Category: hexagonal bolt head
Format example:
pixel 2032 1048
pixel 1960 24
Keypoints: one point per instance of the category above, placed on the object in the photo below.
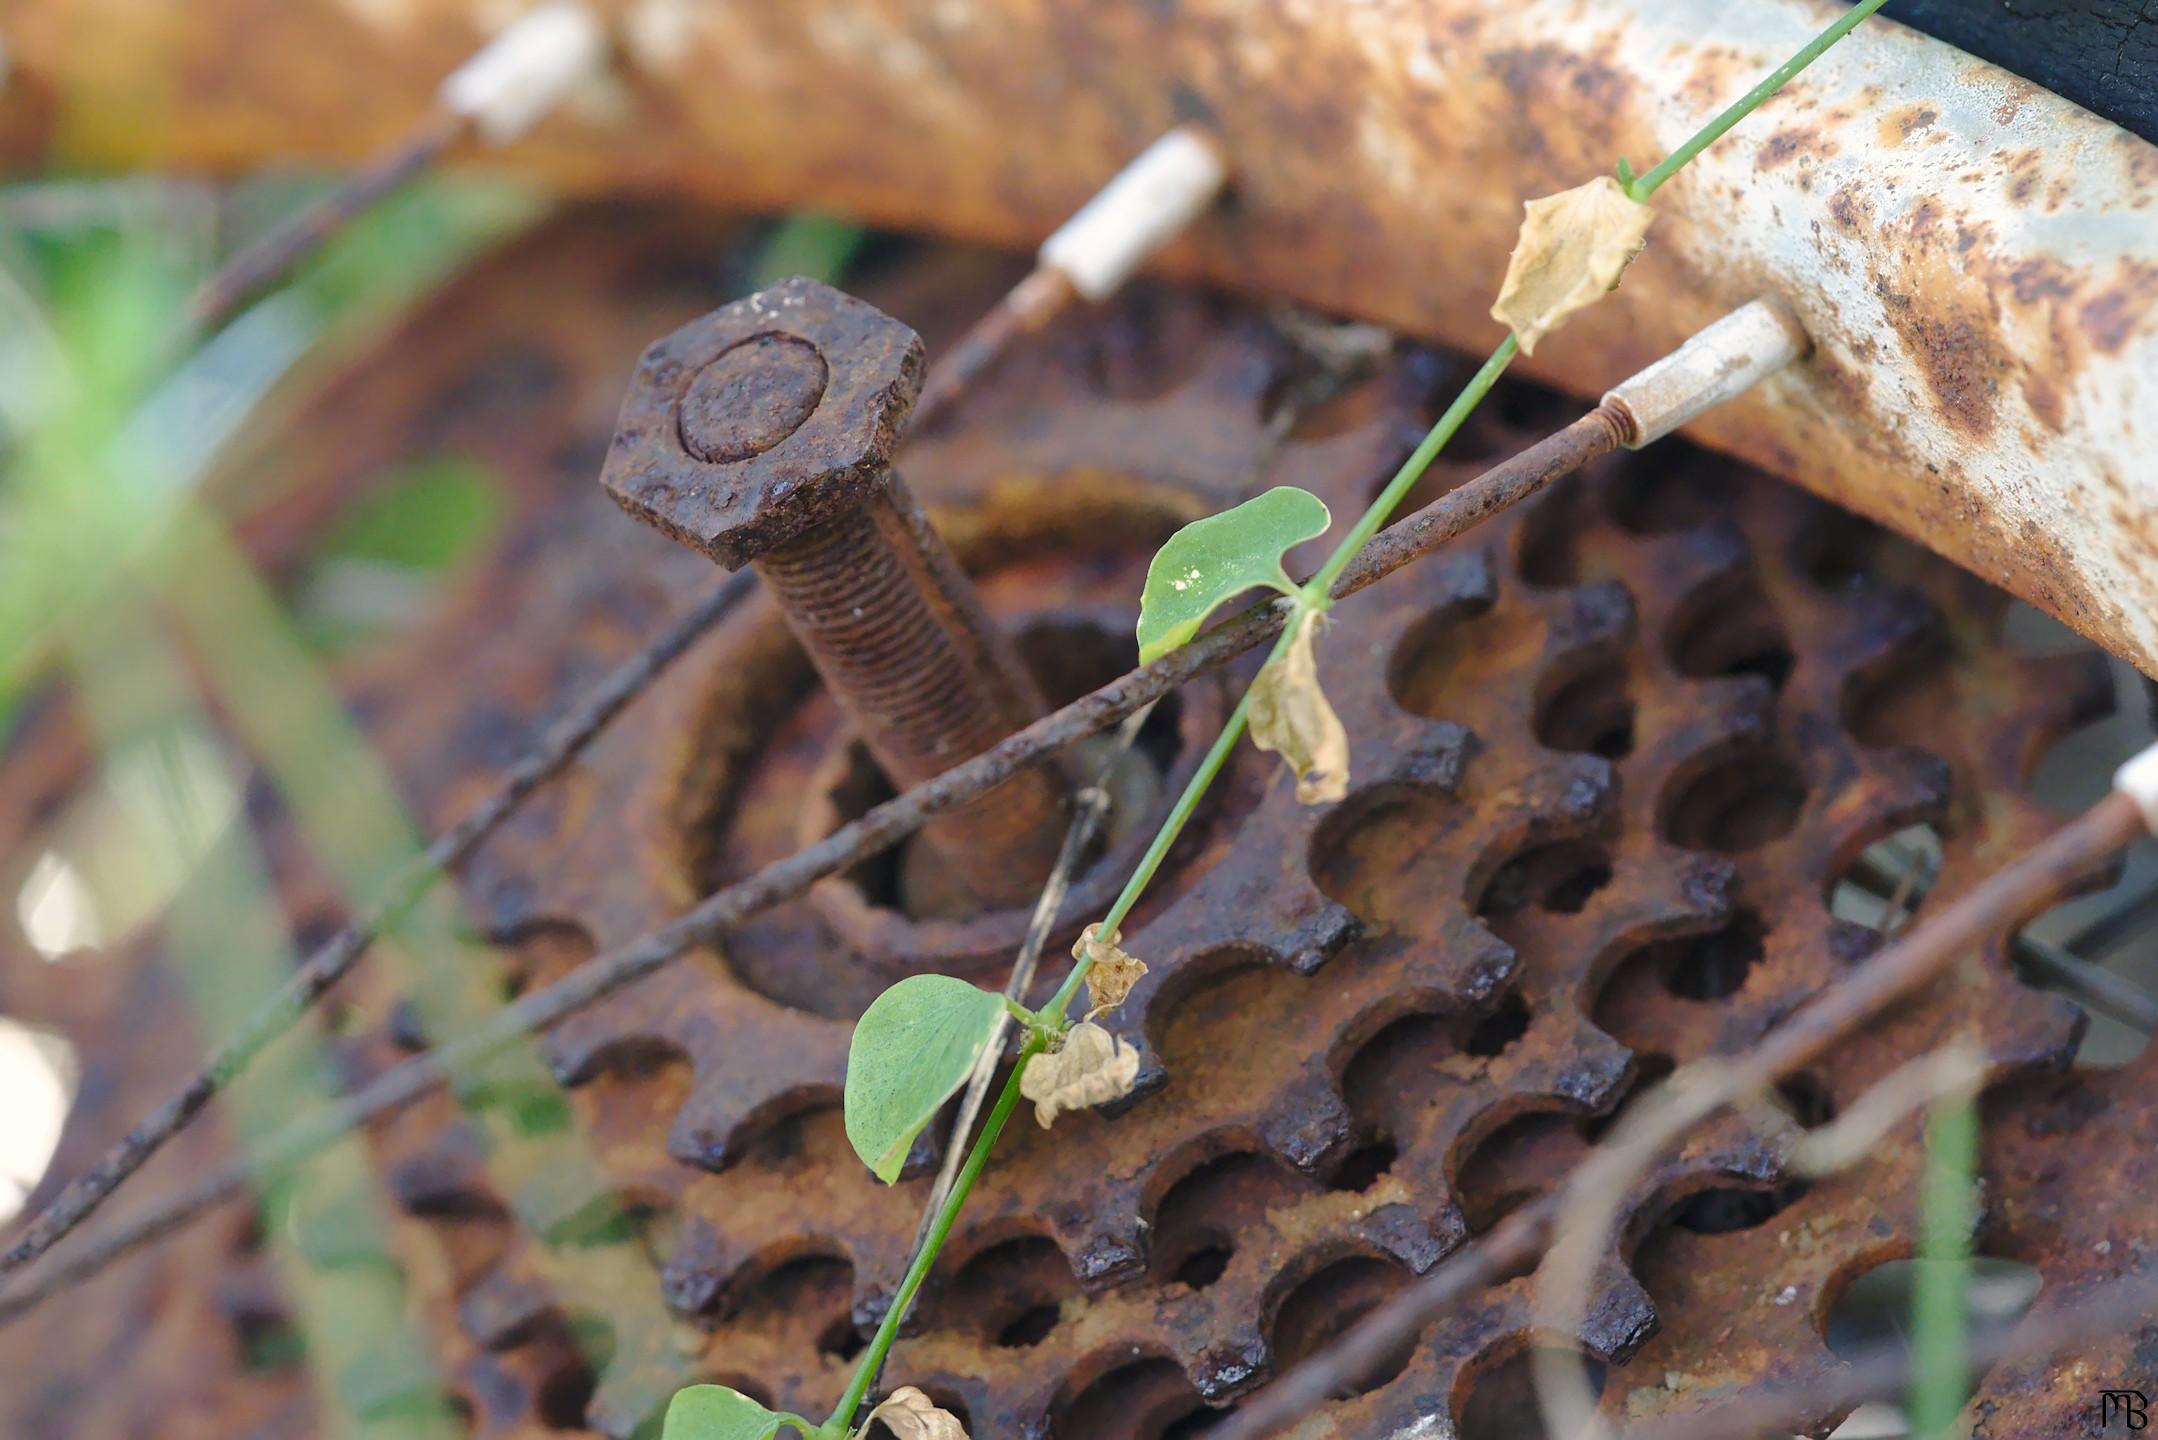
pixel 763 434
pixel 763 419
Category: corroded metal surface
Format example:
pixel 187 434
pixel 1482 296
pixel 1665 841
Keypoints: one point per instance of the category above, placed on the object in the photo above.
pixel 1975 257
pixel 763 434
pixel 1613 751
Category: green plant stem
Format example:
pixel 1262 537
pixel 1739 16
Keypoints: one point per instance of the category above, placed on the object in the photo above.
pixel 1316 590
pixel 1643 186
pixel 1210 764
pixel 1939 1310
pixel 872 1361
pixel 1313 595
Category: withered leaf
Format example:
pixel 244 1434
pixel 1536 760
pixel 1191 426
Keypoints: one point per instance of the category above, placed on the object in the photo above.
pixel 1091 1067
pixel 1290 717
pixel 911 1415
pixel 1572 248
pixel 1113 971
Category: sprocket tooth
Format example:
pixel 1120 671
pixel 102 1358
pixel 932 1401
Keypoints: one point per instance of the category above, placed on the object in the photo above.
pixel 1598 617
pixel 797 1061
pixel 1105 1250
pixel 1620 1317
pixel 2066 692
pixel 1596 1071
pixel 1227 1366
pixel 698 1272
pixel 1274 910
pixel 1307 1123
pixel 1855 796
pixel 1408 1235
pixel 651 1012
pixel 1431 755
pixel 506 1307
pixel 1847 642
pixel 446 1177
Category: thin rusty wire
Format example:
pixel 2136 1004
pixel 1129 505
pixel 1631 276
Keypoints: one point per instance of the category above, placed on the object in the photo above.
pixel 274 256
pixel 330 961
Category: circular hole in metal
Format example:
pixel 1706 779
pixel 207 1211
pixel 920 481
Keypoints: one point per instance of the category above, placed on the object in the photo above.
pixel 1500 1402
pixel 1495 1033
pixel 1591 714
pixel 1320 1310
pixel 1741 802
pixel 1710 966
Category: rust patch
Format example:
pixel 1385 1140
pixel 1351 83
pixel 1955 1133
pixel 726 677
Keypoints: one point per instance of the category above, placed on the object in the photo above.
pixel 1533 75
pixel 2040 279
pixel 1791 143
pixel 2115 314
pixel 1960 355
pixel 1849 209
pixel 1902 124
pixel 2044 399
pixel 2025 170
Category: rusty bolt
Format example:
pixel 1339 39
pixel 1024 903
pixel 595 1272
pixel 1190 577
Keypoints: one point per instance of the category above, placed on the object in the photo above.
pixel 762 434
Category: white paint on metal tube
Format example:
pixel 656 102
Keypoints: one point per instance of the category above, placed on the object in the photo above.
pixel 2138 780
pixel 1717 364
pixel 527 70
pixel 1148 202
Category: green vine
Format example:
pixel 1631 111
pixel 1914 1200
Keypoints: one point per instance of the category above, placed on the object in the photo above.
pixel 1236 555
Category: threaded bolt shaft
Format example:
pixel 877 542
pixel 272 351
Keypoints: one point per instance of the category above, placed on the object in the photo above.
pixel 902 641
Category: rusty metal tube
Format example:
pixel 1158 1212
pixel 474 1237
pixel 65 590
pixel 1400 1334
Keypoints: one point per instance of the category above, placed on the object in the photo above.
pixel 1976 259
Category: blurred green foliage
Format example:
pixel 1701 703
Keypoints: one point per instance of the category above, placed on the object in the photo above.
pixel 119 578
pixel 381 561
pixel 805 243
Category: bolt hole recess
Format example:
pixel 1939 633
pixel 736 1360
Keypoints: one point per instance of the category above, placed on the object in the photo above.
pixel 1068 658
pixel 1732 629
pixel 1500 1400
pixel 1558 878
pixel 1146 1400
pixel 1320 1310
pixel 1012 1294
pixel 1742 802
pixel 1872 1313
pixel 1198 1220
pixel 1590 714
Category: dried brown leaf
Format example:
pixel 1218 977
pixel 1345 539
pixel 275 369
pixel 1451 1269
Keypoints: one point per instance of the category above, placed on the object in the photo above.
pixel 1091 1068
pixel 911 1415
pixel 1290 717
pixel 1571 251
pixel 1113 972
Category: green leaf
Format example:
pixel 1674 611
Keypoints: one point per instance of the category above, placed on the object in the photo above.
pixel 713 1412
pixel 1211 560
pixel 913 1048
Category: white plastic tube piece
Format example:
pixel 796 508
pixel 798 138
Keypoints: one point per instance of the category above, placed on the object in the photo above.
pixel 2138 780
pixel 524 72
pixel 1728 358
pixel 1148 202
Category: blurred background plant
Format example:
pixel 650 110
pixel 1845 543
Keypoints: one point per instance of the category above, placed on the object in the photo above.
pixel 210 690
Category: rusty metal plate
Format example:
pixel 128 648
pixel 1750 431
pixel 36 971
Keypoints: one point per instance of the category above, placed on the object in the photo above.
pixel 1612 754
